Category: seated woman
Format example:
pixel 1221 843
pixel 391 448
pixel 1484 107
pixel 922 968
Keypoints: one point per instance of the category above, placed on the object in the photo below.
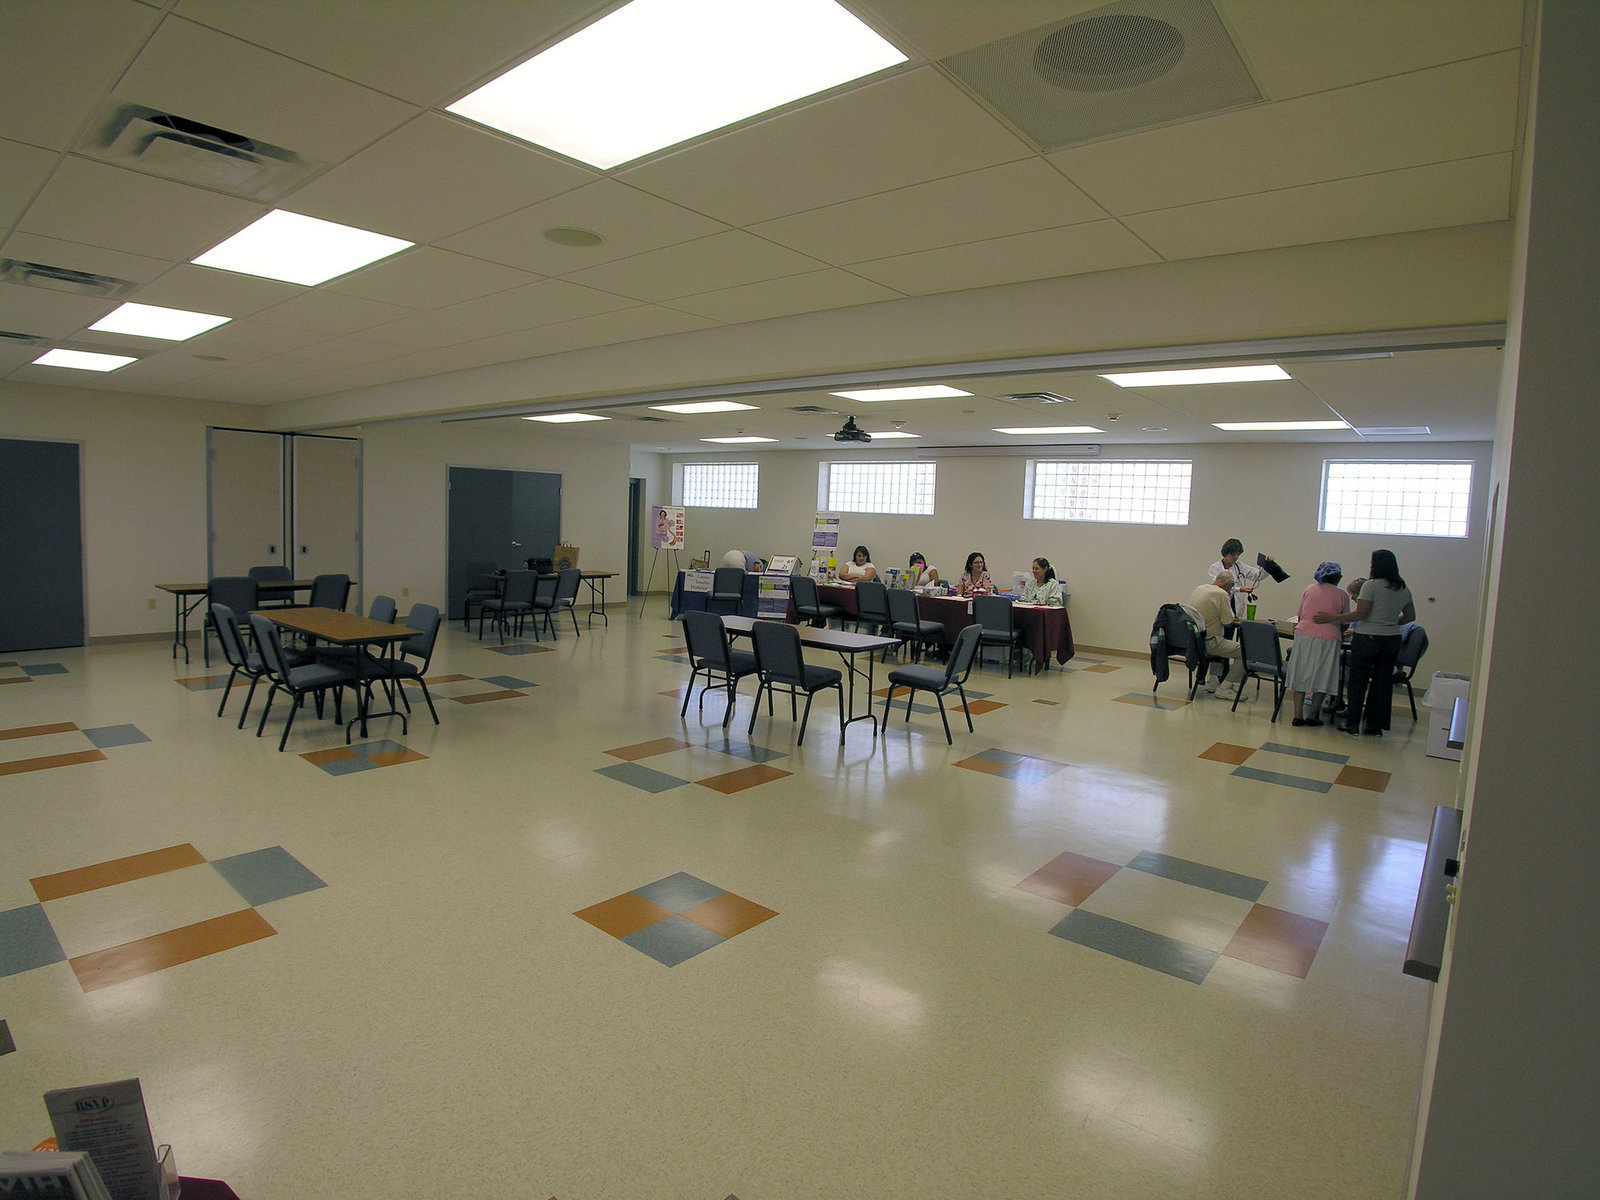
pixel 859 568
pixel 976 578
pixel 921 573
pixel 1045 588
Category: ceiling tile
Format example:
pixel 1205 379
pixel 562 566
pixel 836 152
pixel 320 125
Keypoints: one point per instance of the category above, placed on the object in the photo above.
pixel 74 51
pixel 1460 111
pixel 47 313
pixel 123 210
pixel 811 292
pixel 426 278
pixel 76 256
pixel 721 260
pixel 937 28
pixel 227 293
pixel 1073 250
pixel 424 50
pixel 604 329
pixel 23 170
pixel 1295 49
pixel 203 75
pixel 630 221
pixel 332 314
pixel 1467 192
pixel 544 303
pixel 381 188
pixel 908 128
pixel 944 212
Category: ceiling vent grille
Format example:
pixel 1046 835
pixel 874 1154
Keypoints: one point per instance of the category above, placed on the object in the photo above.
pixel 175 147
pixel 62 279
pixel 1394 431
pixel 1132 65
pixel 816 410
pixel 654 420
pixel 20 339
pixel 1039 398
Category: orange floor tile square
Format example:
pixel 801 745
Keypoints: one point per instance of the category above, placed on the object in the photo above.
pixel 1102 668
pixel 390 758
pixel 1069 878
pixel 744 777
pixel 45 762
pixel 1363 778
pixel 975 707
pixel 1278 940
pixel 160 951
pixel 338 754
pixel 115 871
pixel 728 914
pixel 485 697
pixel 987 765
pixel 37 730
pixel 646 749
pixel 1224 753
pixel 624 914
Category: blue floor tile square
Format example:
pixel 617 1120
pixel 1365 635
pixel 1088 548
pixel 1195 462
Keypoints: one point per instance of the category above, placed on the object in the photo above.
pixel 1212 879
pixel 368 749
pixel 1138 946
pixel 1294 781
pixel 1302 752
pixel 999 756
pixel 348 766
pixel 678 892
pixel 672 941
pixel 643 778
pixel 45 669
pixel 108 736
pixel 27 941
pixel 509 682
pixel 262 876
pixel 737 747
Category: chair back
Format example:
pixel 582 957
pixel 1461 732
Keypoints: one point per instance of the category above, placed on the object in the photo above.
pixel 728 581
pixel 872 601
pixel 227 626
pixel 1413 645
pixel 1260 649
pixel 707 638
pixel 962 654
pixel 271 648
pixel 330 591
pixel 424 618
pixel 544 591
pixel 902 607
pixel 1181 634
pixel 567 586
pixel 992 613
pixel 382 609
pixel 266 574
pixel 806 600
pixel 519 587
pixel 778 655
pixel 237 592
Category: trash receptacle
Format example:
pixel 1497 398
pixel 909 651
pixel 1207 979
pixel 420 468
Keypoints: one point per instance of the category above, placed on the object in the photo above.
pixel 1443 692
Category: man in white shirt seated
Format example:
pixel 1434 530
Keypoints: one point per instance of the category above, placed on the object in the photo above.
pixel 1213 602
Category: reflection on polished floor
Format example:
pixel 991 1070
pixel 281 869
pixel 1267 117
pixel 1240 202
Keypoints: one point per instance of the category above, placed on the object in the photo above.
pixel 574 946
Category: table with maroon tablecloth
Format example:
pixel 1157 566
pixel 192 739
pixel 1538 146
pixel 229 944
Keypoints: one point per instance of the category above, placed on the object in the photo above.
pixel 1046 632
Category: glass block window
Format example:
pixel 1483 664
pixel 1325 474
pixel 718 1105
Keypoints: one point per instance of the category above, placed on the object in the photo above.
pixel 880 487
pixel 1129 493
pixel 721 485
pixel 1422 499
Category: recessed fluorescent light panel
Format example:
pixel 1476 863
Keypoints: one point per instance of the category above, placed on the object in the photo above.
pixel 285 245
pixel 1275 426
pixel 149 320
pixel 565 418
pixel 935 391
pixel 893 433
pixel 1051 429
pixel 658 72
pixel 739 441
pixel 83 360
pixel 1130 379
pixel 704 406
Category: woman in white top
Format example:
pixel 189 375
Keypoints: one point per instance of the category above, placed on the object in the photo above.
pixel 1045 588
pixel 860 568
pixel 1383 606
pixel 921 573
pixel 1246 578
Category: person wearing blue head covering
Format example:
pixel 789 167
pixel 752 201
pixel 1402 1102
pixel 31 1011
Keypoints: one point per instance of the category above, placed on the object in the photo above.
pixel 1314 661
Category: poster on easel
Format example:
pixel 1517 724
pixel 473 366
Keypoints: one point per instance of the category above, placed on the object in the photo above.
pixel 824 541
pixel 772 591
pixel 666 527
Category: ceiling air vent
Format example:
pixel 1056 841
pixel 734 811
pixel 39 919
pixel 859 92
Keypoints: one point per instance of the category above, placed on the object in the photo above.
pixel 1394 431
pixel 7 337
pixel 817 409
pixel 62 279
pixel 654 420
pixel 175 147
pixel 1039 398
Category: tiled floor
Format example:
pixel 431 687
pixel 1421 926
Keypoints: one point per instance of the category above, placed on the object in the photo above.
pixel 1105 945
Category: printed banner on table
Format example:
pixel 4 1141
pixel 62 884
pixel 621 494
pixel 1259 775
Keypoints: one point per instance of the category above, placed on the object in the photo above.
pixel 772 595
pixel 698 580
pixel 666 527
pixel 825 534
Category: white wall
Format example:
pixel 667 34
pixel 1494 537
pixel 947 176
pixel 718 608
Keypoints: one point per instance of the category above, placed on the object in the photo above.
pixel 1266 495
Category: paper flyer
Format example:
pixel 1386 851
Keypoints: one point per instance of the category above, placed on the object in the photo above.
pixel 108 1121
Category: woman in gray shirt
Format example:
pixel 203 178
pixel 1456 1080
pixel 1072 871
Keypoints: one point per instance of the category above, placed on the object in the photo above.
pixel 1382 607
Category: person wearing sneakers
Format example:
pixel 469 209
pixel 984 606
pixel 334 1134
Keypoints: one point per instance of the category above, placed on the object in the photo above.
pixel 1214 604
pixel 1314 662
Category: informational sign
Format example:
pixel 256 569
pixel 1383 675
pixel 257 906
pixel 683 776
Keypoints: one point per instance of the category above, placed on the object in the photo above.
pixel 108 1121
pixel 825 534
pixel 772 595
pixel 666 527
pixel 698 581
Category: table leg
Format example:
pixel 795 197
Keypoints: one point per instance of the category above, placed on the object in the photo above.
pixel 180 625
pixel 851 671
pixel 602 594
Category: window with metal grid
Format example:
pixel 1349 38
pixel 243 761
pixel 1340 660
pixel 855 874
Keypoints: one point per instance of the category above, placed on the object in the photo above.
pixel 721 485
pixel 1131 493
pixel 1420 499
pixel 881 487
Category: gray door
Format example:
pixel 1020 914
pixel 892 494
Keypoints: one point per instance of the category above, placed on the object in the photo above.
pixel 498 519
pixel 41 546
pixel 247 508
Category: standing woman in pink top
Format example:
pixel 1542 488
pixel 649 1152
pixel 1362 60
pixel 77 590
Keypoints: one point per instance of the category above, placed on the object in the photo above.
pixel 1314 661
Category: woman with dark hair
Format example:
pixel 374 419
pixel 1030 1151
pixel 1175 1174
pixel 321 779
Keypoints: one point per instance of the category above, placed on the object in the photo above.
pixel 1045 588
pixel 1383 606
pixel 976 578
pixel 859 568
pixel 922 574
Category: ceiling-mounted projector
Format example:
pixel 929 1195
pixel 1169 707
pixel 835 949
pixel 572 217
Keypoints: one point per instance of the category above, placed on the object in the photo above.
pixel 851 432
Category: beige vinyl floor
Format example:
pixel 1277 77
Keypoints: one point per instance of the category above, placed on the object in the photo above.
pixel 566 944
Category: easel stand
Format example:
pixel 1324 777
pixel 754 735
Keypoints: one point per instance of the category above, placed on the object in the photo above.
pixel 672 574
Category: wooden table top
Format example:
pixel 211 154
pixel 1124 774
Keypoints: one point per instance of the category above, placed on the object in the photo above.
pixel 200 589
pixel 340 628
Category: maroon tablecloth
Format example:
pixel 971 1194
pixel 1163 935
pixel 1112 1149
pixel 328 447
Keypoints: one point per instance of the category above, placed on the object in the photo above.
pixel 1046 632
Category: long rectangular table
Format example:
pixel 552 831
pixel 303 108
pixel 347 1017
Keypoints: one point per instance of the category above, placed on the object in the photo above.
pixel 186 597
pixel 843 643
pixel 1046 632
pixel 346 629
